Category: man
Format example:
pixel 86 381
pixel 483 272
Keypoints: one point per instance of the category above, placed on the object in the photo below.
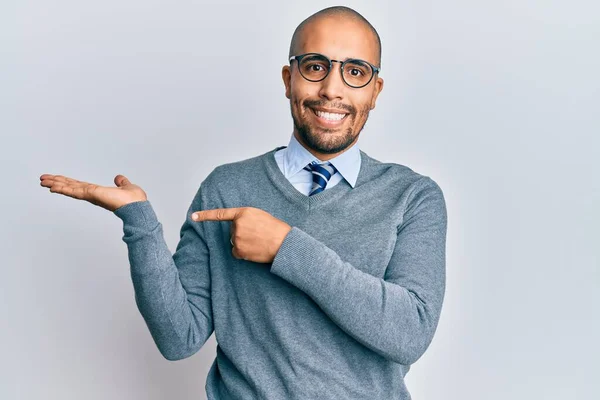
pixel 320 269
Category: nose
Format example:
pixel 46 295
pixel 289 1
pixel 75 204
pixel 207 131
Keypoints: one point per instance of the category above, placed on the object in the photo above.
pixel 333 86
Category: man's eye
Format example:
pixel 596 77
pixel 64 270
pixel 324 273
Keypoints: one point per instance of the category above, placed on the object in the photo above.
pixel 315 68
pixel 356 72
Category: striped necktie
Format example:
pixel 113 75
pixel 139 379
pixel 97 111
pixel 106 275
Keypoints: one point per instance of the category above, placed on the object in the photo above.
pixel 321 173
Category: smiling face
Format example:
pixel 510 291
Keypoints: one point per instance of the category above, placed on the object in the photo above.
pixel 329 115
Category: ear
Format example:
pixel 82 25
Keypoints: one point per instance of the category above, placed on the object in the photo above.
pixel 286 74
pixel 378 88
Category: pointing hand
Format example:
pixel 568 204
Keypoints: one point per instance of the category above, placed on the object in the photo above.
pixel 109 198
pixel 256 235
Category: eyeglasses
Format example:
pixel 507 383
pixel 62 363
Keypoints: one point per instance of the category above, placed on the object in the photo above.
pixel 315 67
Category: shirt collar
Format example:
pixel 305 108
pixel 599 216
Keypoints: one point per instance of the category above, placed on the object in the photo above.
pixel 297 157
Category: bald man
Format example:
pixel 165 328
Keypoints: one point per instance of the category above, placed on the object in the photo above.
pixel 320 269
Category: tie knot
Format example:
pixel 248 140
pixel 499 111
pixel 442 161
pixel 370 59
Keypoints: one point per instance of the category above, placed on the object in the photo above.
pixel 319 167
pixel 321 174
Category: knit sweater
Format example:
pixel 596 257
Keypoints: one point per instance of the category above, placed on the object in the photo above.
pixel 350 301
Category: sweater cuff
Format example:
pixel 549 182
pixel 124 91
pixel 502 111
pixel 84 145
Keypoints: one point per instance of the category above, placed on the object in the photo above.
pixel 299 258
pixel 138 214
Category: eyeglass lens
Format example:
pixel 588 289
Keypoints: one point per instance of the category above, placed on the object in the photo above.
pixel 315 67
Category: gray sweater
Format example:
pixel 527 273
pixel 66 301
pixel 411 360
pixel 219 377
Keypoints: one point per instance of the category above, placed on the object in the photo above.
pixel 351 300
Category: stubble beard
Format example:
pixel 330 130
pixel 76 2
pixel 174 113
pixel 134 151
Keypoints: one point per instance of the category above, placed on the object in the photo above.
pixel 326 141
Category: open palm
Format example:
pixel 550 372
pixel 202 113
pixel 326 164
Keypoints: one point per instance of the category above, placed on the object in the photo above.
pixel 109 198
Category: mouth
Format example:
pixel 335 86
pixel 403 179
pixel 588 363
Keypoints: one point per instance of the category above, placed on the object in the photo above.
pixel 329 118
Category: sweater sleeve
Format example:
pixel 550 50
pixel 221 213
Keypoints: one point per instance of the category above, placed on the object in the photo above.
pixel 172 292
pixel 397 315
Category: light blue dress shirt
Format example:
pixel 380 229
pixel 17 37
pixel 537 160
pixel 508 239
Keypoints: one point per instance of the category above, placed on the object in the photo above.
pixel 292 159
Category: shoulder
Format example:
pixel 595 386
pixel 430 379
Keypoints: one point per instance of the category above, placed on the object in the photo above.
pixel 415 192
pixel 395 174
pixel 238 173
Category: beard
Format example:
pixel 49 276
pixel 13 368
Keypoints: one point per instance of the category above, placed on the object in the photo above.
pixel 325 141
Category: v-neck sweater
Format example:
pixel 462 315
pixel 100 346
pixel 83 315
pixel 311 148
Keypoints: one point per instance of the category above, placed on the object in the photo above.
pixel 350 301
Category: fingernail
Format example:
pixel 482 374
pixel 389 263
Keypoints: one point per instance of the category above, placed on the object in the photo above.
pixel 194 216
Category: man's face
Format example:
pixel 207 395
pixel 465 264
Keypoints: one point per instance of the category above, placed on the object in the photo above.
pixel 325 135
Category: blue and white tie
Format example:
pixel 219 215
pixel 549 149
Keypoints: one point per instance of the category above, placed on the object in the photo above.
pixel 321 173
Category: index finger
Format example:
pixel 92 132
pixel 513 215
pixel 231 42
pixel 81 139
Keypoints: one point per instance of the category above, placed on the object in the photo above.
pixel 216 214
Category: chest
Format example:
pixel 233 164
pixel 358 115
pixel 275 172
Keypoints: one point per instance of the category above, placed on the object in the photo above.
pixel 365 240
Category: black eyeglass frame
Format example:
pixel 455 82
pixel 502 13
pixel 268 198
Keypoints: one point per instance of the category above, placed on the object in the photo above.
pixel 298 58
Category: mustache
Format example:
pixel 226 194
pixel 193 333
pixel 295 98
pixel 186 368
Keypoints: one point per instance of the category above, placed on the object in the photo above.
pixel 324 104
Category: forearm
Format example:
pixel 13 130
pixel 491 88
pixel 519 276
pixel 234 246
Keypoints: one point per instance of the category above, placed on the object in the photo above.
pixel 177 329
pixel 381 315
pixel 395 315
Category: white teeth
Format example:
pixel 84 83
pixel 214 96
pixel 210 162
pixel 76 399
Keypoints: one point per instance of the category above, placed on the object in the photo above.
pixel 330 116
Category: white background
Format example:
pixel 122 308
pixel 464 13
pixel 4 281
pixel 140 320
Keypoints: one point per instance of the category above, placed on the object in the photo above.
pixel 497 101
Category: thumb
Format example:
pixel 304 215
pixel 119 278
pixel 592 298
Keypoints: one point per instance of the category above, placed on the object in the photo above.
pixel 121 180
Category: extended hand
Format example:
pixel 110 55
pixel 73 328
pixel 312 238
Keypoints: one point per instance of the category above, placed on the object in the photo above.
pixel 109 198
pixel 256 234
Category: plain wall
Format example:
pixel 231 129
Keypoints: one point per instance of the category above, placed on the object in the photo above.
pixel 497 101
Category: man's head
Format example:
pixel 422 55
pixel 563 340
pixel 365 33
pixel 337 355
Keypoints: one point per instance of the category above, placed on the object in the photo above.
pixel 338 33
